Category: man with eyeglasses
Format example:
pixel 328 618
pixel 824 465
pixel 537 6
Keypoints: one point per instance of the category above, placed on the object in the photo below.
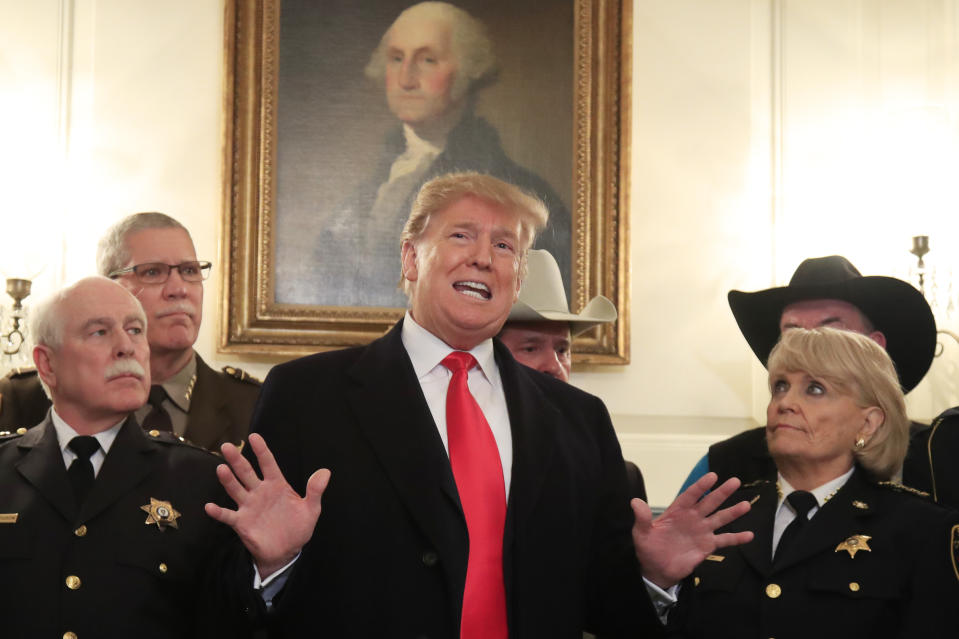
pixel 152 255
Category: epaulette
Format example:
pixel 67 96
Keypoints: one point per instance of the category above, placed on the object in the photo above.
pixel 242 375
pixel 7 435
pixel 167 437
pixel 22 371
pixel 901 488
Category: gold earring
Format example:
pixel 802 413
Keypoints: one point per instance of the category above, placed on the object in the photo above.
pixel 860 443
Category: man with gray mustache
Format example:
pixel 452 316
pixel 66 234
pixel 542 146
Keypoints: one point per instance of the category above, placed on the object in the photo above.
pixel 101 524
pixel 152 256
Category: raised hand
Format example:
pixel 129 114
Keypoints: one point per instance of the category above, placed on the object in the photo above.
pixel 271 519
pixel 670 547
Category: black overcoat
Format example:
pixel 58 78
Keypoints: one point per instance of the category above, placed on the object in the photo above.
pixel 388 556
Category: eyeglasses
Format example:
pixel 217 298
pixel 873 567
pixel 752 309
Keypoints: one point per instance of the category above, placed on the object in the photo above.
pixel 158 272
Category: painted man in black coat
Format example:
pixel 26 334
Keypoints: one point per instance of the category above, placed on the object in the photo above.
pixel 390 555
pixel 432 61
pixel 117 544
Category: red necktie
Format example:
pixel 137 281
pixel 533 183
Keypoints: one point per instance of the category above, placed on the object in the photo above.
pixel 478 472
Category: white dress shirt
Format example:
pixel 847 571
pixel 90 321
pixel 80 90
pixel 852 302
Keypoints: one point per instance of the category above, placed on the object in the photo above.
pixel 419 153
pixel 426 352
pixel 65 433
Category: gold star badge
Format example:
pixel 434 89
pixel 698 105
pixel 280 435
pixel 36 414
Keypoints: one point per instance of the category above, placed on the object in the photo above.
pixel 854 544
pixel 160 513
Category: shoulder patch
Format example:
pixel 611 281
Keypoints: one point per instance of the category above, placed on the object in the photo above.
pixel 901 488
pixel 242 375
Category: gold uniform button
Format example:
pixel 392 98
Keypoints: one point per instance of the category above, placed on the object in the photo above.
pixel 73 582
pixel 695 581
pixel 773 591
pixel 162 568
pixel 69 635
pixel 81 531
pixel 21 431
pixel 154 433
pixel 854 586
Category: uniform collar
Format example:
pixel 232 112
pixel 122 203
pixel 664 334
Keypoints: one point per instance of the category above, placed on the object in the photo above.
pixel 179 388
pixel 65 433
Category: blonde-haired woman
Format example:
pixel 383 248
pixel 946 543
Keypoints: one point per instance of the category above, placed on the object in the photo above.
pixel 839 550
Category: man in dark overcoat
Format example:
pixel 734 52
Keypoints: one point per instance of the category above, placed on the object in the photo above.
pixel 525 531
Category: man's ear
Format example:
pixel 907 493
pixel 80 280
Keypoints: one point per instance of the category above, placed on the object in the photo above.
pixel 43 359
pixel 408 255
pixel 878 337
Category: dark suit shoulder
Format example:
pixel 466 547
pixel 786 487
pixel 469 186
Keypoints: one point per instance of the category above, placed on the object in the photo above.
pixel 22 372
pixel 748 440
pixel 327 360
pixel 744 455
pixel 930 462
pixel 22 400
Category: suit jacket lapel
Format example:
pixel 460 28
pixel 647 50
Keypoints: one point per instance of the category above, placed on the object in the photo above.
pixel 208 418
pixel 130 460
pixel 42 465
pixel 759 519
pixel 395 419
pixel 532 419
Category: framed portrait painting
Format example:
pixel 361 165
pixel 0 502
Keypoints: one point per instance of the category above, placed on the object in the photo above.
pixel 337 111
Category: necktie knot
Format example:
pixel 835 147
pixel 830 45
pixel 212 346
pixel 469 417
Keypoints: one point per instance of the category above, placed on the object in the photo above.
pixel 84 446
pixel 459 361
pixel 802 502
pixel 157 395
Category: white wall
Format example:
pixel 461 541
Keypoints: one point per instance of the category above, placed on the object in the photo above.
pixel 115 106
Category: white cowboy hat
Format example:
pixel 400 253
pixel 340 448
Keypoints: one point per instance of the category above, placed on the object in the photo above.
pixel 543 297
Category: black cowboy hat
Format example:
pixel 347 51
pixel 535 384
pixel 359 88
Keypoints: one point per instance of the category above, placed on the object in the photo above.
pixel 894 307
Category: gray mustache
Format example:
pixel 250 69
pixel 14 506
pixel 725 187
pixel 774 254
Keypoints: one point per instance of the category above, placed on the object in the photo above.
pixel 124 366
pixel 179 307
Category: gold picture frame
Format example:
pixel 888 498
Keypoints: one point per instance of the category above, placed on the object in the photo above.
pixel 253 322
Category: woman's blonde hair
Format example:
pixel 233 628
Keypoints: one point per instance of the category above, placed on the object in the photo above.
pixel 856 366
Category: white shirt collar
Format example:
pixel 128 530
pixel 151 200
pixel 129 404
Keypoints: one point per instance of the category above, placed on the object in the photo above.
pixel 821 493
pixel 427 351
pixel 417 146
pixel 65 433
